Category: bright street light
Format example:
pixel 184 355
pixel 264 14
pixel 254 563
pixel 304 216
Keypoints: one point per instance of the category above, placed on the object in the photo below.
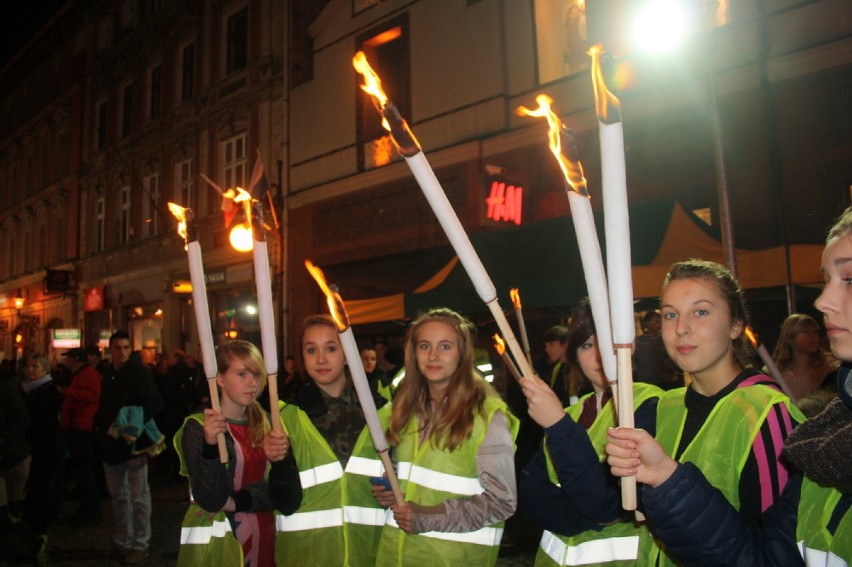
pixel 660 25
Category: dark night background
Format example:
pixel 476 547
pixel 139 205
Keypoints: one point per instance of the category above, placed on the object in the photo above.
pixel 21 20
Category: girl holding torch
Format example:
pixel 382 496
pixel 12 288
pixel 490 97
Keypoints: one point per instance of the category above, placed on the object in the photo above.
pixel 812 522
pixel 727 426
pixel 567 489
pixel 231 519
pixel 454 440
pixel 339 521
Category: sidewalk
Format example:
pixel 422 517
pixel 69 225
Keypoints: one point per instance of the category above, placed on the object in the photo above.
pixel 90 546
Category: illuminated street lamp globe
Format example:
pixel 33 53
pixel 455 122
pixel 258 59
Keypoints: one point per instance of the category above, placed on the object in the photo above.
pixel 660 25
pixel 241 238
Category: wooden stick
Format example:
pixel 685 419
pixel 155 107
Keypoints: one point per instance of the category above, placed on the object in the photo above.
pixel 624 394
pixel 394 482
pixel 217 406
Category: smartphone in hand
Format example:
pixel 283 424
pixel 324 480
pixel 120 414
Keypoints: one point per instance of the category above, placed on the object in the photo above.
pixel 380 481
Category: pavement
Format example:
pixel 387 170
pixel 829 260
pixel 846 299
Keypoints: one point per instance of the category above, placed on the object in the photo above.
pixel 90 546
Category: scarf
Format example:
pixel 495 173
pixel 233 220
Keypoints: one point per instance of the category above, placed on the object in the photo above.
pixel 29 385
pixel 822 447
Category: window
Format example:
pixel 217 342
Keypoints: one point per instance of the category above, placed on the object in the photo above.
pixel 152 201
pixel 11 257
pixel 234 162
pixel 236 55
pixel 124 229
pixel 387 50
pixel 187 79
pixel 105 34
pixel 102 125
pixel 59 240
pixel 184 183
pixel 154 102
pixel 41 247
pixel 100 224
pixel 561 38
pixel 128 14
pixel 127 110
pixel 26 252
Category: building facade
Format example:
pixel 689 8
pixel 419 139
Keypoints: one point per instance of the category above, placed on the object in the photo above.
pixel 117 108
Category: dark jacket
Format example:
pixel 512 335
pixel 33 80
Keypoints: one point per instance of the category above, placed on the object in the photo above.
pixel 130 385
pixel 700 527
pixel 14 423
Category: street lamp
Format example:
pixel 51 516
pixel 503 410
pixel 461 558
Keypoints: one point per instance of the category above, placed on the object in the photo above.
pixel 19 301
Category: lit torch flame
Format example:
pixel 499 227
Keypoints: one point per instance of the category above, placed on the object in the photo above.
pixel 571 167
pixel 335 302
pixel 180 214
pixel 607 106
pixel 751 336
pixel 372 84
pixel 516 297
pixel 499 344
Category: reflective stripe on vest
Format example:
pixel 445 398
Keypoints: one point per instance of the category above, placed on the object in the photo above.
pixel 436 480
pixel 594 551
pixel 821 558
pixel 483 536
pixel 301 521
pixel 364 466
pixel 321 474
pixel 199 535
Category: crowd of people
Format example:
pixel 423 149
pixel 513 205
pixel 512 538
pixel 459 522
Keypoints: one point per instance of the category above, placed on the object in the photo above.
pixel 730 469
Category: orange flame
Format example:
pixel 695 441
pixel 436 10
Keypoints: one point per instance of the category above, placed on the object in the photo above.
pixel 571 167
pixel 372 83
pixel 499 344
pixel 335 302
pixel 751 336
pixel 180 214
pixel 516 297
pixel 605 101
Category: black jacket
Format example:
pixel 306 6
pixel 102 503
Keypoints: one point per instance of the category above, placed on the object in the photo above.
pixel 130 385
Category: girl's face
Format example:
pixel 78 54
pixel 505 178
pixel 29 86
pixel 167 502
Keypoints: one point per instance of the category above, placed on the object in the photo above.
pixel 807 339
pixel 589 358
pixel 33 370
pixel 436 347
pixel 697 329
pixel 368 359
pixel 835 301
pixel 239 384
pixel 323 355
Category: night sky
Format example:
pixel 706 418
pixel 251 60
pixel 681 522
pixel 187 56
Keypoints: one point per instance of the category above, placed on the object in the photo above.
pixel 20 21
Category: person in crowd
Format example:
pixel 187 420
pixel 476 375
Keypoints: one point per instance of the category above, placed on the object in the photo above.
pixel 338 522
pixel 556 349
pixel 95 360
pixel 804 365
pixel 238 493
pixel 651 363
pixel 79 405
pixel 560 488
pixel 44 483
pixel 127 392
pixel 14 469
pixel 177 390
pixel 812 522
pixel 377 377
pixel 731 421
pixel 453 438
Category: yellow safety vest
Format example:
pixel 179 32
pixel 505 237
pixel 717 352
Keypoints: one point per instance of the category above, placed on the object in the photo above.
pixel 616 544
pixel 429 476
pixel 817 545
pixel 339 521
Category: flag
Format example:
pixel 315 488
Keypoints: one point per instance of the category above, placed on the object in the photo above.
pixel 228 207
pixel 258 185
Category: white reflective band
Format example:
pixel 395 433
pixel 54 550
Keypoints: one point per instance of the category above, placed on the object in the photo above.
pixel 301 521
pixel 482 536
pixel 201 535
pixel 365 516
pixel 596 551
pixel 365 467
pixel 444 482
pixel 321 474
pixel 815 557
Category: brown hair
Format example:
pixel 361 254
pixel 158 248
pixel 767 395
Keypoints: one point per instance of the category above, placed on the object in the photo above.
pixel 467 390
pixel 249 355
pixel 731 292
pixel 792 326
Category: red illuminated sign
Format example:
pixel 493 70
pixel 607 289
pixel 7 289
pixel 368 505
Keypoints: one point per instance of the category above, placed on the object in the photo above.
pixel 505 202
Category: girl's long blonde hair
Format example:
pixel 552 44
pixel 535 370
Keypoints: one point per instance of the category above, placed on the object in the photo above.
pixel 452 423
pixel 249 355
pixel 792 326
